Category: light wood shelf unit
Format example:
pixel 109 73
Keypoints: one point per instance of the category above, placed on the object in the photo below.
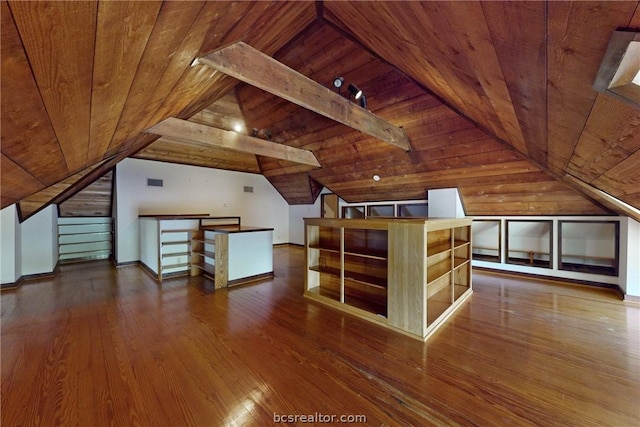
pixel 209 252
pixel 406 274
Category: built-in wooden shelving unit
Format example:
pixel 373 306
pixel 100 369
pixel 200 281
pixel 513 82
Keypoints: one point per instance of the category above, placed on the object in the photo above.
pixel 407 274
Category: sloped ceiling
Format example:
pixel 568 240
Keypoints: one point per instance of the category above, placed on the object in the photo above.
pixel 495 97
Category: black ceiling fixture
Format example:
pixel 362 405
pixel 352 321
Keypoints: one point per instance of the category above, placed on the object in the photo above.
pixel 354 91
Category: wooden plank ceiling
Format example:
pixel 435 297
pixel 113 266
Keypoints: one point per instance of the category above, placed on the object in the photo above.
pixel 495 98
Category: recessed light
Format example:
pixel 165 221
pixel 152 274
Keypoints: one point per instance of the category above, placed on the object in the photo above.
pixel 376 177
pixel 238 127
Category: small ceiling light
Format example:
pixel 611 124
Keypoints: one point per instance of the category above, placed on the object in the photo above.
pixel 354 91
pixel 238 127
pixel 376 178
pixel 338 81
pixel 363 101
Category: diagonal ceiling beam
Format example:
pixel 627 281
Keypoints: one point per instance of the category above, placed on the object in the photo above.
pixel 243 62
pixel 603 198
pixel 213 137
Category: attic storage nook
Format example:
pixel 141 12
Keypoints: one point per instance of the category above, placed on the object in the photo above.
pixel 409 275
pixel 218 247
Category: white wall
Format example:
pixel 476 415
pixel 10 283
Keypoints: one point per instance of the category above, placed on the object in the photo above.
pixel 630 257
pixel 9 241
pixel 28 248
pixel 445 203
pixel 192 190
pixel 39 236
pixel 296 215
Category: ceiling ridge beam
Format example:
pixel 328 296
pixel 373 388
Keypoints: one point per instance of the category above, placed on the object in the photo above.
pixel 203 135
pixel 243 62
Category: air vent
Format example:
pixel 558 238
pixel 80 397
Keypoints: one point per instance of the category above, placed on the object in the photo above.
pixel 151 182
pixel 248 189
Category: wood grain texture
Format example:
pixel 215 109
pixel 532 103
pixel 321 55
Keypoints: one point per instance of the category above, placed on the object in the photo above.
pixel 574 52
pixel 407 267
pixel 171 27
pixel 203 135
pixel 103 347
pixel 123 31
pixel 518 32
pixel 93 201
pixel 247 64
pixel 65 82
pixel 16 182
pixel 52 194
pixel 25 123
pixel 510 82
pixel 610 136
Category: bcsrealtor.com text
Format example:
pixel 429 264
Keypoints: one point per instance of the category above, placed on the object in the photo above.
pixel 319 418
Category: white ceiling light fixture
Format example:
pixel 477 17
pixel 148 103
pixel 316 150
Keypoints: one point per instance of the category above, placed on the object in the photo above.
pixel 238 127
pixel 376 178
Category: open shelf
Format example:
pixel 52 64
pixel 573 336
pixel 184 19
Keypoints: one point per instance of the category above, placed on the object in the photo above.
pixel 438 270
pixel 207 254
pixel 408 274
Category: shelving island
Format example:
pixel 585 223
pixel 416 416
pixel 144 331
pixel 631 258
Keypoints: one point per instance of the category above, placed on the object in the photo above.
pixel 406 274
pixel 219 248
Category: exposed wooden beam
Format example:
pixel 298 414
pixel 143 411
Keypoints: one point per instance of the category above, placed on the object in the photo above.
pixel 605 199
pixel 214 137
pixel 251 66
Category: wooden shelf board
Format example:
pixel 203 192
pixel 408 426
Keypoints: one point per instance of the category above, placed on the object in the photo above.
pixel 207 254
pixel 177 242
pixel 207 268
pixel 459 262
pixel 327 293
pixel 182 230
pixel 460 243
pixel 437 249
pixel 438 285
pixel 174 254
pixel 434 272
pixel 205 241
pixel 169 266
pixel 366 305
pixel 380 255
pixel 325 248
pixel 438 304
pixel 365 279
pixel 459 290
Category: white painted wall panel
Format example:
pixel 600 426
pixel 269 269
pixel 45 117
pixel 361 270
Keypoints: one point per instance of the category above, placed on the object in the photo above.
pixel 193 190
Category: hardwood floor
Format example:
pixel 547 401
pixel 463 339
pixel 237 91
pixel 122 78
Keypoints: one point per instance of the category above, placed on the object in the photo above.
pixel 98 346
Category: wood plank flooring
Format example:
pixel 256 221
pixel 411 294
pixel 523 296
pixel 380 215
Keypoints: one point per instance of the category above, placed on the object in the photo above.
pixel 97 346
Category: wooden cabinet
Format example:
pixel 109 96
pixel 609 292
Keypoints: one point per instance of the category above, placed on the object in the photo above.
pixel 407 274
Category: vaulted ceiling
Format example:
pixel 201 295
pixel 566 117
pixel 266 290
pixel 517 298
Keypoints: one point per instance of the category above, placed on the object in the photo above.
pixel 495 98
